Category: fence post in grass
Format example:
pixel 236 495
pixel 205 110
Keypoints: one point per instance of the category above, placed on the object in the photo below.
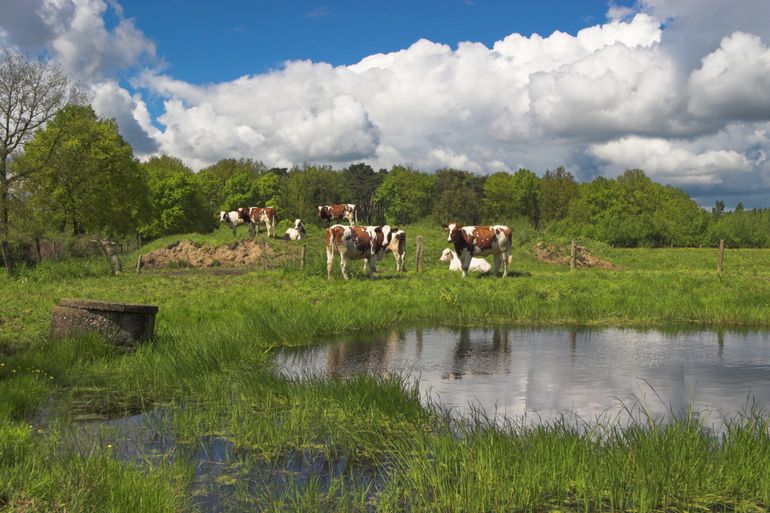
pixel 721 255
pixel 573 256
pixel 139 264
pixel 302 256
pixel 419 254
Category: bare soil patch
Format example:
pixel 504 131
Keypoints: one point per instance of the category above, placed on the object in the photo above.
pixel 560 255
pixel 191 254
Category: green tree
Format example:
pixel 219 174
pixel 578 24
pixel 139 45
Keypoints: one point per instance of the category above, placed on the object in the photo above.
pixel 405 195
pixel 718 210
pixel 458 197
pixel 311 186
pixel 177 200
pixel 90 181
pixel 361 182
pixel 497 203
pixel 526 198
pixel 558 189
pixel 212 181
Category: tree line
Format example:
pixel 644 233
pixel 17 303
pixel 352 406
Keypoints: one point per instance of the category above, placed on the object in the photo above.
pixel 64 170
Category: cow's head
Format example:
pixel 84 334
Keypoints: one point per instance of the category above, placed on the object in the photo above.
pixel 321 210
pixel 446 255
pixel 452 231
pixel 222 216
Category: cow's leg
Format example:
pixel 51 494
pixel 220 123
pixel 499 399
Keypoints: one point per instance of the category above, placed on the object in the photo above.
pixel 344 265
pixel 372 267
pixel 235 234
pixel 272 223
pixel 506 257
pixel 467 257
pixel 497 264
pixel 329 260
pixel 366 265
pixel 251 231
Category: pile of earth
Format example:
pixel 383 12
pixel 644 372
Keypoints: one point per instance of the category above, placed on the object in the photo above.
pixel 560 255
pixel 192 254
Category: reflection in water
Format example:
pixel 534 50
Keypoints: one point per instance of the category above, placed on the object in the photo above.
pixel 542 374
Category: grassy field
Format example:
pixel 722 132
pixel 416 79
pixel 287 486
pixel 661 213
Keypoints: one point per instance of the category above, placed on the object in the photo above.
pixel 210 371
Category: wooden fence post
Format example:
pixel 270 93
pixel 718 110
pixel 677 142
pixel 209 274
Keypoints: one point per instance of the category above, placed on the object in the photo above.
pixel 721 256
pixel 573 256
pixel 139 264
pixel 302 256
pixel 419 254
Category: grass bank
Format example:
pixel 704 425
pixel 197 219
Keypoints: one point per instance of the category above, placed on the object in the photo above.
pixel 211 367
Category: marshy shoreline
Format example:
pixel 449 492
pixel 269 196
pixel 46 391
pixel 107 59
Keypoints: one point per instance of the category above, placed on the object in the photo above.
pixel 211 365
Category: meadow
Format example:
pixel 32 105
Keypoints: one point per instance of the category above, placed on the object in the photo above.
pixel 373 444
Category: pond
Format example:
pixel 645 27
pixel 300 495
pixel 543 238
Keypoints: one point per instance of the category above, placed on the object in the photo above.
pixel 540 375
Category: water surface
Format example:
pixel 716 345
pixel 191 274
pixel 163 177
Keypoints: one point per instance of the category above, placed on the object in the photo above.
pixel 541 374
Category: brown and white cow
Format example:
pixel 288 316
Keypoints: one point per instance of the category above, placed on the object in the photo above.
pixel 470 241
pixel 263 215
pixel 338 212
pixel 235 218
pixel 369 243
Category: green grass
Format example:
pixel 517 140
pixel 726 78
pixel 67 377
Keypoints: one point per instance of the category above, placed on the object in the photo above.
pixel 210 367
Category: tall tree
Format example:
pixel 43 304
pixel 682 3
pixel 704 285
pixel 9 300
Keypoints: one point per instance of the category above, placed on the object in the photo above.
pixel 177 199
pixel 558 189
pixel 405 195
pixel 90 181
pixel 362 182
pixel 458 196
pixel 31 93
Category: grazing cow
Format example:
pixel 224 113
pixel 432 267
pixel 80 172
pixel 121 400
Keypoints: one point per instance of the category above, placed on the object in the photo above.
pixel 338 212
pixel 296 233
pixel 263 215
pixel 481 241
pixel 455 264
pixel 367 243
pixel 235 218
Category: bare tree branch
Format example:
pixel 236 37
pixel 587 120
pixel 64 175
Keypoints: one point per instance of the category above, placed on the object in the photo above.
pixel 31 93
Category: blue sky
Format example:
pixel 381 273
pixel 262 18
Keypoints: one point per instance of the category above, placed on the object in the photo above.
pixel 678 88
pixel 204 41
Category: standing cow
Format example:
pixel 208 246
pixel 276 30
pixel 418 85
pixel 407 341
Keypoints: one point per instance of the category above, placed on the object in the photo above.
pixel 235 218
pixel 338 212
pixel 367 243
pixel 263 215
pixel 470 241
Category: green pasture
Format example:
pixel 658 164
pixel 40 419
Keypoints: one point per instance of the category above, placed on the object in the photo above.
pixel 210 371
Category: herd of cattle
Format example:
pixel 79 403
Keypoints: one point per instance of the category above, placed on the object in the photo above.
pixel 372 243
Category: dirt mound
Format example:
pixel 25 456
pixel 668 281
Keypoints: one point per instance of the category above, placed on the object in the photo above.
pixel 560 255
pixel 191 254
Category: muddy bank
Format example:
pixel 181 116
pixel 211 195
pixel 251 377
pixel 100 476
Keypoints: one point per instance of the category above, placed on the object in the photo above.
pixel 191 254
pixel 560 255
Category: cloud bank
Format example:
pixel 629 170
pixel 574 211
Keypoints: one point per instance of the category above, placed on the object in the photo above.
pixel 680 89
